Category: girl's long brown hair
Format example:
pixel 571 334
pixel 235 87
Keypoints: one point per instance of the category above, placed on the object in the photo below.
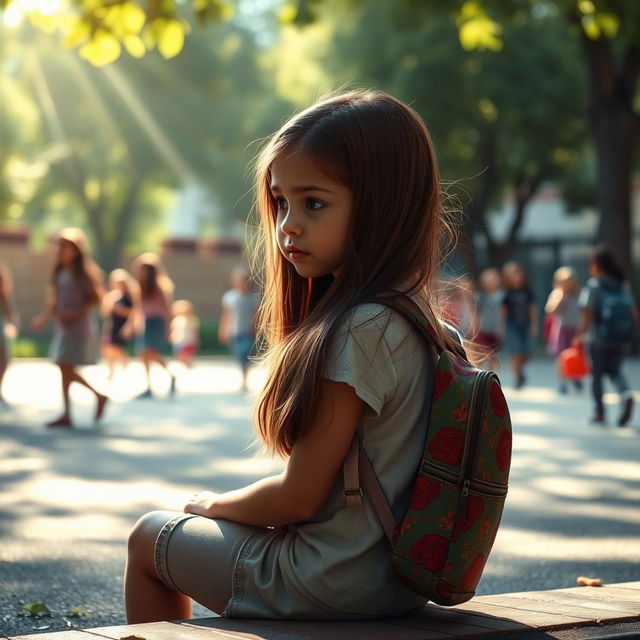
pixel 381 150
pixel 84 267
pixel 156 279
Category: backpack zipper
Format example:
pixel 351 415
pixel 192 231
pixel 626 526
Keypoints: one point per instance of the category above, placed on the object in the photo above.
pixel 481 486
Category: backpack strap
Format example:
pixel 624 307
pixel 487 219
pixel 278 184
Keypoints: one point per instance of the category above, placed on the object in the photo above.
pixel 357 468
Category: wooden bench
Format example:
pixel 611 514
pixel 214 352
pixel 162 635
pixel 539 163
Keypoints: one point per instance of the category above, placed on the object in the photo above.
pixel 579 613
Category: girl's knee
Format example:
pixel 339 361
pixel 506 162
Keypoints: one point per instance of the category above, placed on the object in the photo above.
pixel 142 538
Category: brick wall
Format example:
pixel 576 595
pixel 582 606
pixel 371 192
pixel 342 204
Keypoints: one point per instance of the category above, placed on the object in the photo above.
pixel 201 271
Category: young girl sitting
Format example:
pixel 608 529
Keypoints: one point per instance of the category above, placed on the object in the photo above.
pixel 75 291
pixel 350 209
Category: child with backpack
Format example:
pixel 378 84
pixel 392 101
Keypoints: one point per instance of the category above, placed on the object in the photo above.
pixel 351 224
pixel 608 321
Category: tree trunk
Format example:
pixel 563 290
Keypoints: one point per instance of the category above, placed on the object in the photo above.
pixel 615 128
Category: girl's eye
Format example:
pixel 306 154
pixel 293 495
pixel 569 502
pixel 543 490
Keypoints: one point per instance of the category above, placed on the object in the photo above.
pixel 281 204
pixel 314 204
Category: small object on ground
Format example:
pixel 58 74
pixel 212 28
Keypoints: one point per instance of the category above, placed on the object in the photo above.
pixel 62 421
pixel 37 609
pixel 589 582
pixel 132 637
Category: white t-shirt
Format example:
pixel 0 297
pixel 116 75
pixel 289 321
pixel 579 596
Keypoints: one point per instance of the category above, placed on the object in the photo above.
pixel 339 564
pixel 242 308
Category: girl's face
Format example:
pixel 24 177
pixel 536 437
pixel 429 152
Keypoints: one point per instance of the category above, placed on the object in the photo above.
pixel 67 253
pixel 313 215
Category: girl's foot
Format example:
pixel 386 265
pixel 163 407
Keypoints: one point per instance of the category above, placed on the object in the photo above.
pixel 102 401
pixel 172 388
pixel 144 394
pixel 562 388
pixel 62 421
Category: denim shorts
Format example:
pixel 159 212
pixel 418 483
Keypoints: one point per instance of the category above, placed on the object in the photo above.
pixel 517 339
pixel 197 556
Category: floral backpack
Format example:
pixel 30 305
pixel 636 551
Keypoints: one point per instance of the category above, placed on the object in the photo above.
pixel 442 542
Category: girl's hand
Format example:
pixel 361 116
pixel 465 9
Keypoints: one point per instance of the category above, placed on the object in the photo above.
pixel 11 331
pixel 202 504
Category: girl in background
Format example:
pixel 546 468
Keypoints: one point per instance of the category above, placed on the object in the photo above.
pixel 520 319
pixel 9 323
pixel 156 294
pixel 350 209
pixel 489 303
pixel 562 306
pixel 183 332
pixel 118 310
pixel 238 321
pixel 75 291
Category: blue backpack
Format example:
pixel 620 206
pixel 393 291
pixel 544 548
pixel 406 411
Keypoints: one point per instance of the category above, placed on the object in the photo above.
pixel 614 314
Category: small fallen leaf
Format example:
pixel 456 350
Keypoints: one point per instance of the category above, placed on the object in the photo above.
pixel 37 609
pixel 589 582
pixel 76 612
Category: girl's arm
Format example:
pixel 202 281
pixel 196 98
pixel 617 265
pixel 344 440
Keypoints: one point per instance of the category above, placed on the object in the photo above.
pixel 554 303
pixel 301 489
pixel 223 329
pixel 50 304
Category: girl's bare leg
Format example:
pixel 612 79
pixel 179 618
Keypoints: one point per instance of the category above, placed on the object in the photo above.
pixel 147 599
pixel 4 363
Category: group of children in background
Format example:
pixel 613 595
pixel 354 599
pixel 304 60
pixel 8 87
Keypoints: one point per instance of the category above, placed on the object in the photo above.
pixel 137 308
pixel 140 307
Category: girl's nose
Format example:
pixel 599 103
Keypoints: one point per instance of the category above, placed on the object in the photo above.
pixel 290 225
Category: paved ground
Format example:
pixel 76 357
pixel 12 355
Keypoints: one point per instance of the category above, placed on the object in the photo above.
pixel 68 499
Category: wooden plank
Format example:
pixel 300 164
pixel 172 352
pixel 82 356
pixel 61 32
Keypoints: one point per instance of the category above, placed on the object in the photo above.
pixel 325 630
pixel 459 629
pixel 586 611
pixel 482 620
pixel 571 599
pixel 160 631
pixel 535 619
pixel 75 634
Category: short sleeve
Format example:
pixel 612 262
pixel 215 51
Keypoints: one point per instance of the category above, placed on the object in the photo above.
pixel 359 355
pixel 227 298
pixel 587 298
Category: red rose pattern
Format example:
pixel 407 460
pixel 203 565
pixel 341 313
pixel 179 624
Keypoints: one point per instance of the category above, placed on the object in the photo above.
pixel 472 511
pixel 498 402
pixel 441 384
pixel 448 446
pixel 430 552
pixel 503 454
pixel 425 492
pixel 472 575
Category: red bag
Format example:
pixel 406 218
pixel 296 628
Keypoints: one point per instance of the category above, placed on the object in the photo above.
pixel 573 363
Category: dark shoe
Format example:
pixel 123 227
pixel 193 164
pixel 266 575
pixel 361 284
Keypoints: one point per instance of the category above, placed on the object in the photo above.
pixel 627 411
pixel 62 421
pixel 598 420
pixel 578 385
pixel 562 389
pixel 172 388
pixel 102 403
pixel 520 382
pixel 144 395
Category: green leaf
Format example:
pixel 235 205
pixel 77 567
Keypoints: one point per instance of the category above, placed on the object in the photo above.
pixel 76 612
pixel 171 39
pixel 37 609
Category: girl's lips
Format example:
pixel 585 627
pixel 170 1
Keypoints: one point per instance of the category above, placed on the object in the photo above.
pixel 294 253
